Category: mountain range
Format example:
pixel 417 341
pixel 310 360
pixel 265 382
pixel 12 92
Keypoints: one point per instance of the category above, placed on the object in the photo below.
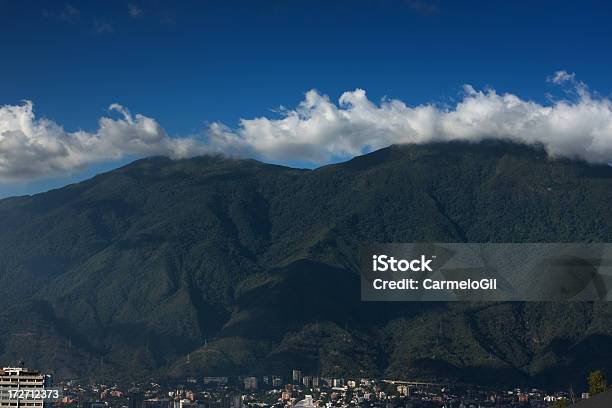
pixel 217 266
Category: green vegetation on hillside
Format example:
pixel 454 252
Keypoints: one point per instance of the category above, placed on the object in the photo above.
pixel 218 266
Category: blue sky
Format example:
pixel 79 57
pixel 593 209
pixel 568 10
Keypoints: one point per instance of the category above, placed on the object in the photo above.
pixel 191 64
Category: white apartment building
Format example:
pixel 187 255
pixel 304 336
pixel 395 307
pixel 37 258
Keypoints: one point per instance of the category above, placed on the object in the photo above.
pixel 19 378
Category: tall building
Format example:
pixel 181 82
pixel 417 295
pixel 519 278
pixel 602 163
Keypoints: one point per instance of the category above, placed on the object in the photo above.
pixel 338 382
pixel 250 383
pixel 20 378
pixel 297 377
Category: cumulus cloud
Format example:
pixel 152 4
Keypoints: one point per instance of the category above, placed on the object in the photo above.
pixel 32 148
pixel 318 130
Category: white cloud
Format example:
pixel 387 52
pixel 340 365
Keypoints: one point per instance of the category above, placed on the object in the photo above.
pixel 316 131
pixel 319 130
pixel 560 77
pixel 32 148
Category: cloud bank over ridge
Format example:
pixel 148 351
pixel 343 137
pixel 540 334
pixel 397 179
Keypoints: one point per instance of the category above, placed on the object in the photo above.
pixel 32 148
pixel 317 130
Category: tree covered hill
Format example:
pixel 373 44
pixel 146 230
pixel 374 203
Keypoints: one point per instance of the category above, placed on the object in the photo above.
pixel 220 266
